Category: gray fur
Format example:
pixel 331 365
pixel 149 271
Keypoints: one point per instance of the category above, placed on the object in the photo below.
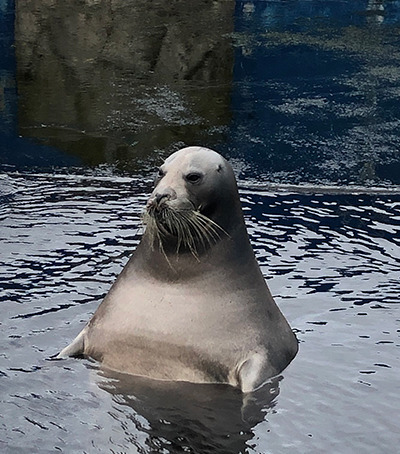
pixel 185 308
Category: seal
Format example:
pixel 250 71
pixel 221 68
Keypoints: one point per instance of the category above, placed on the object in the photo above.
pixel 191 304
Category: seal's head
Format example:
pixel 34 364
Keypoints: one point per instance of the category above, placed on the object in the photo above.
pixel 195 201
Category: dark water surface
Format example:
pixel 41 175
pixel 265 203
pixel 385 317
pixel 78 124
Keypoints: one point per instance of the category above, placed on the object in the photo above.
pixel 303 98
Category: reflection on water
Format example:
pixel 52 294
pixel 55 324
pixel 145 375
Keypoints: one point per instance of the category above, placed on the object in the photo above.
pixel 316 90
pixel 295 90
pixel 332 262
pixel 183 417
pixel 115 81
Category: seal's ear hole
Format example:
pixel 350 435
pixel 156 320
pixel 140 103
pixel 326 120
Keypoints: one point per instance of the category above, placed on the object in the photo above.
pixel 194 177
pixel 219 168
pixel 160 174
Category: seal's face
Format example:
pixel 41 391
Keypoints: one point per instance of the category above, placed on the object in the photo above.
pixel 182 208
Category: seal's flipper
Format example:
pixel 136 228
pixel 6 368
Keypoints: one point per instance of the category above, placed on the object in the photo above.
pixel 75 348
pixel 252 374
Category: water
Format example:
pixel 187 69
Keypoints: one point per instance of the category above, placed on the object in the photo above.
pixel 332 262
pixel 302 97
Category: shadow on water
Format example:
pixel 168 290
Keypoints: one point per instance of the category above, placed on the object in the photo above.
pixel 185 417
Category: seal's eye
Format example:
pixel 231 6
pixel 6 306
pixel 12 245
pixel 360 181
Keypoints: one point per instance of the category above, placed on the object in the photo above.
pixel 194 177
pixel 161 173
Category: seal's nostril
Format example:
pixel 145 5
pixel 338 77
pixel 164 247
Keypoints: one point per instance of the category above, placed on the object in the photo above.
pixel 163 195
pixel 159 197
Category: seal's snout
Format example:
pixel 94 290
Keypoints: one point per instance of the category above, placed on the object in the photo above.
pixel 160 198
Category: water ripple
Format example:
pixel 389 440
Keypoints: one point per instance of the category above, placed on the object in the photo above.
pixel 332 261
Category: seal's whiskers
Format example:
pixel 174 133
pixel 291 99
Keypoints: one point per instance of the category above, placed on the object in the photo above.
pixel 211 226
pixel 201 233
pixel 192 229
